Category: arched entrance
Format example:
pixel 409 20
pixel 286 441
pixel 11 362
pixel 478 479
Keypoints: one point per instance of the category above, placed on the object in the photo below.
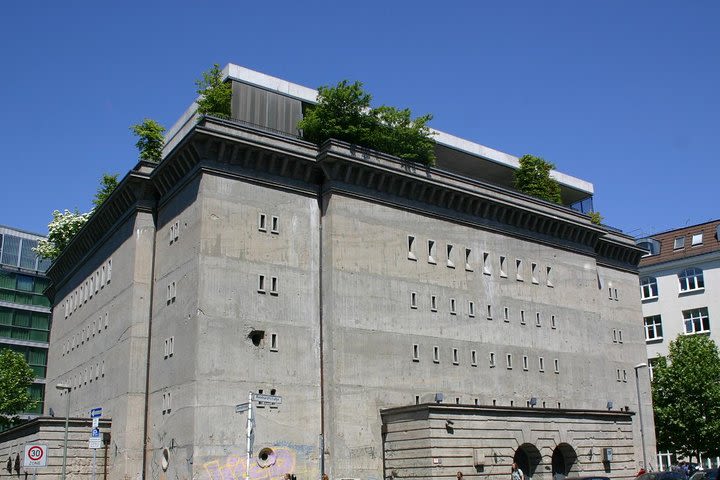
pixel 563 461
pixel 528 457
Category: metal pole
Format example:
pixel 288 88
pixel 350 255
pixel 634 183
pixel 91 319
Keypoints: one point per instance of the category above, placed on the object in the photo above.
pixel 642 429
pixel 249 435
pixel 67 422
pixel 322 456
pixel 94 463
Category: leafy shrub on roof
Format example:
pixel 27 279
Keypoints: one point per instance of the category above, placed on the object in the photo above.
pixel 533 178
pixel 343 112
pixel 215 95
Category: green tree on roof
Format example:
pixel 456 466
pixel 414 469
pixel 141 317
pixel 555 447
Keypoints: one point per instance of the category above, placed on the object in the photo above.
pixel 343 112
pixel 533 178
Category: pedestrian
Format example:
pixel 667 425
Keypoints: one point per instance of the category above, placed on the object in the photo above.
pixel 516 473
pixel 459 475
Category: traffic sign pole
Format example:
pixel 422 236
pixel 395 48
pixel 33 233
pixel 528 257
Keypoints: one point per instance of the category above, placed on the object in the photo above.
pixel 249 435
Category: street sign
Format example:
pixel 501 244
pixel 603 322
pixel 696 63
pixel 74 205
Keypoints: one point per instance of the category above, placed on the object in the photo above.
pixel 35 455
pixel 95 433
pixel 95 443
pixel 269 399
pixel 243 407
pixel 96 412
pixel 96 422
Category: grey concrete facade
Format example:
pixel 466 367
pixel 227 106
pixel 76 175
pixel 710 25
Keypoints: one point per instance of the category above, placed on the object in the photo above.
pixel 352 284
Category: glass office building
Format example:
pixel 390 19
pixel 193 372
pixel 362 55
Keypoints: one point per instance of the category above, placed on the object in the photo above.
pixel 24 310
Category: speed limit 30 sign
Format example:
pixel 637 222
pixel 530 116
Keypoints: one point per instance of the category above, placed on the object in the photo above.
pixel 35 455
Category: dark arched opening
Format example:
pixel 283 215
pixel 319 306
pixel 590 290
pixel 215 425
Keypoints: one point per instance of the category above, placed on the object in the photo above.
pixel 564 459
pixel 528 457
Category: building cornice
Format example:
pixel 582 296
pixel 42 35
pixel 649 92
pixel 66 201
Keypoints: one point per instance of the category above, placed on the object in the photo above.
pixel 459 409
pixel 134 193
pixel 681 263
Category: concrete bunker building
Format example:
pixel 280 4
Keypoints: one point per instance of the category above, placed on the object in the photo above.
pixel 421 321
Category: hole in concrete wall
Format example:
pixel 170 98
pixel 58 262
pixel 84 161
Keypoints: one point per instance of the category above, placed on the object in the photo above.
pixel 266 457
pixel 165 462
pixel 256 337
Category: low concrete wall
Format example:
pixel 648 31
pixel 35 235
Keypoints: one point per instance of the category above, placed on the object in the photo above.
pixel 50 431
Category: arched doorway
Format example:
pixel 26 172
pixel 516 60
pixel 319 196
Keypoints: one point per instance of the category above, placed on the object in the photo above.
pixel 528 457
pixel 563 461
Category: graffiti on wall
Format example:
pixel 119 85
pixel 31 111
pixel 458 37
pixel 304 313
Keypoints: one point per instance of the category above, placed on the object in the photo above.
pixel 282 460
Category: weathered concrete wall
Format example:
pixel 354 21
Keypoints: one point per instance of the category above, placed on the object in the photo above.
pixel 51 432
pixel 369 281
pixel 481 442
pixel 100 348
pixel 234 252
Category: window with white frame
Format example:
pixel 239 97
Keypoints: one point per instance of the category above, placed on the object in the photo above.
pixel 691 279
pixel 648 288
pixel 556 363
pixel 416 352
pixel 492 359
pixel 262 222
pixel 453 310
pixel 433 303
pixel 274 225
pixel 697 239
pixel 679 243
pixel 508 361
pixel 413 300
pixel 473 358
pixel 696 320
pixel 436 354
pixel 456 356
pixel 548 277
pixel 541 364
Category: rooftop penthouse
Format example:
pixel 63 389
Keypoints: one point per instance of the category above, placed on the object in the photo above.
pixel 270 103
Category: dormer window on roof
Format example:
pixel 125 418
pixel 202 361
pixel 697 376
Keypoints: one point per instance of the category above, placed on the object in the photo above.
pixel 697 239
pixel 679 243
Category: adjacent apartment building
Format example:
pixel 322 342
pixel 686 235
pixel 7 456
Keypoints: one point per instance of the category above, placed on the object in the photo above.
pixel 415 321
pixel 24 309
pixel 680 287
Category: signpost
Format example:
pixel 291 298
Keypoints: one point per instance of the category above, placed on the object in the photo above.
pixel 95 440
pixel 248 407
pixel 35 456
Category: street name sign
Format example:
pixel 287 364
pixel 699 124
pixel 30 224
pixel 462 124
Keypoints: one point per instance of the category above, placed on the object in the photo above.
pixel 35 455
pixel 268 399
pixel 243 407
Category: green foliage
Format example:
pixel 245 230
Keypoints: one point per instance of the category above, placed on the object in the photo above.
pixel 343 112
pixel 61 231
pixel 215 95
pixel 686 397
pixel 595 218
pixel 533 178
pixel 151 140
pixel 16 376
pixel 65 225
pixel 107 185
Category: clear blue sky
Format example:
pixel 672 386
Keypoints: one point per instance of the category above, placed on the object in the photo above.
pixel 624 94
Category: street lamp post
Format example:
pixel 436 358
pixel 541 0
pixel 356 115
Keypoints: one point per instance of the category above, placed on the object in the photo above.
pixel 67 389
pixel 642 428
